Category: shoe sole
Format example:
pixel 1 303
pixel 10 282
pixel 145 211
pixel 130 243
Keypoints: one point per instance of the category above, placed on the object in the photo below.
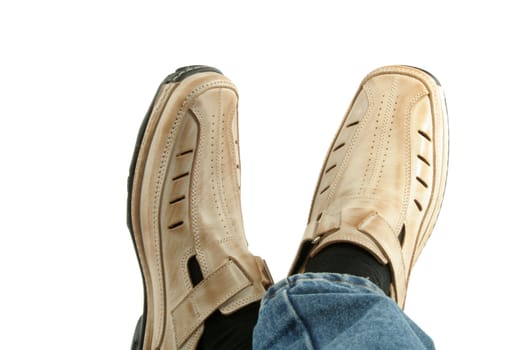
pixel 144 330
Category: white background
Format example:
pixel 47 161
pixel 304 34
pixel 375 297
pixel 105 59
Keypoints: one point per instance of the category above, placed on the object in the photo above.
pixel 76 79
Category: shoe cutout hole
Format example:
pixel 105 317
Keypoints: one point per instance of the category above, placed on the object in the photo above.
pixel 424 134
pixel 184 153
pixel 319 216
pixel 180 176
pixel 177 199
pixel 401 235
pixel 352 124
pixel 330 168
pixel 324 189
pixel 339 146
pixel 418 205
pixel 175 225
pixel 421 181
pixel 423 159
pixel 195 271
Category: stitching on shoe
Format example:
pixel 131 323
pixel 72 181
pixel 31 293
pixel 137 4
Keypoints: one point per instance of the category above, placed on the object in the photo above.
pixel 230 229
pixel 387 148
pixel 183 263
pixel 408 71
pixel 243 301
pixel 344 163
pixel 220 205
pixel 344 140
pixel 196 177
pixel 373 149
pixel 408 157
pixel 165 154
pixel 161 172
pixel 228 132
pixel 382 150
pixel 203 285
pixel 161 101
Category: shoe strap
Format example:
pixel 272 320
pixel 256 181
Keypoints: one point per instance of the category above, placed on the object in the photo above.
pixel 222 284
pixel 264 272
pixel 365 228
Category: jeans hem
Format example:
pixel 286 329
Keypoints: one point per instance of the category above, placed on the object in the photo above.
pixel 337 278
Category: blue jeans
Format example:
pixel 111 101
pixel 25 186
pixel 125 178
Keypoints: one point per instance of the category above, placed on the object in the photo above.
pixel 333 311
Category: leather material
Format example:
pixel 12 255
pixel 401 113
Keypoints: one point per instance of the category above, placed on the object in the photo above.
pixel 384 173
pixel 185 202
pixel 225 282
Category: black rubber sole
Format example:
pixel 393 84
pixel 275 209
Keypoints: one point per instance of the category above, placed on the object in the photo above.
pixel 428 73
pixel 179 75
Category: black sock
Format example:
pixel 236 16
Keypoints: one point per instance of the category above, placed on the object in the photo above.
pixel 230 332
pixel 353 260
pixel 226 332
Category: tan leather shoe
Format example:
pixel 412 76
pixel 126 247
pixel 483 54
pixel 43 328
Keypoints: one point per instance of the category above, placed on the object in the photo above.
pixel 184 205
pixel 383 179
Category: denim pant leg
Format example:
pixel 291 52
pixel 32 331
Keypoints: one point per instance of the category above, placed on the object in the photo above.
pixel 333 311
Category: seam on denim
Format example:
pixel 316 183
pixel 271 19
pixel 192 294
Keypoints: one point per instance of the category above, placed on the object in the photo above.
pixel 306 334
pixel 272 292
pixel 370 288
pixel 348 279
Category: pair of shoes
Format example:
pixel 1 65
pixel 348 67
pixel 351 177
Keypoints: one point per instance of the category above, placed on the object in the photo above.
pixel 380 188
